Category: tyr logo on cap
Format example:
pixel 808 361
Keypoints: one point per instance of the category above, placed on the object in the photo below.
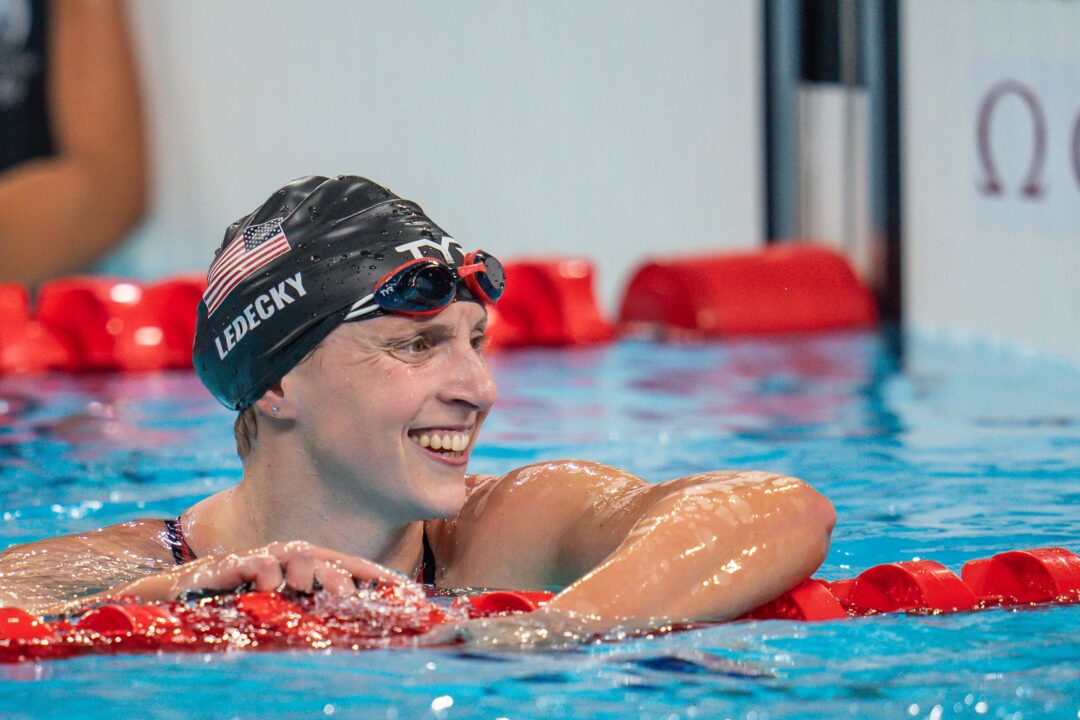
pixel 443 246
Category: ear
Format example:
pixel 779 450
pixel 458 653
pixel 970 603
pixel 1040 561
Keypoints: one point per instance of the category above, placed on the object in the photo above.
pixel 275 405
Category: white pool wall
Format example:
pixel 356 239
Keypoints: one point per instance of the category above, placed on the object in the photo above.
pixel 1005 266
pixel 616 129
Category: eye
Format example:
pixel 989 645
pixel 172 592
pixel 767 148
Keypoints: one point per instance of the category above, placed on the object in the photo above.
pixel 416 346
pixel 480 342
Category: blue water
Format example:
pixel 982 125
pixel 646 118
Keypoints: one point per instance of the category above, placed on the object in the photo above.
pixel 945 450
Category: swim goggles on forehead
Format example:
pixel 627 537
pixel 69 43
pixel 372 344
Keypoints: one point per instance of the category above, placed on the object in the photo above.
pixel 425 286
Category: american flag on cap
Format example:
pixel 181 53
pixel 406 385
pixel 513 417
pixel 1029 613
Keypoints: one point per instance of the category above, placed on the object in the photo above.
pixel 246 253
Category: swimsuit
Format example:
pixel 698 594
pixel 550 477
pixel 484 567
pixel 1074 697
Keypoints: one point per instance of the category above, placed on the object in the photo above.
pixel 25 128
pixel 182 552
pixel 174 538
pixel 426 575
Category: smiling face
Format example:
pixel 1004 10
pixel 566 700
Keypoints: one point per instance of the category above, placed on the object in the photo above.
pixel 380 400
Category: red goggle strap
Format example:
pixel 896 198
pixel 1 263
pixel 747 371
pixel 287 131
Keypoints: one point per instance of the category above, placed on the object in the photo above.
pixel 468 273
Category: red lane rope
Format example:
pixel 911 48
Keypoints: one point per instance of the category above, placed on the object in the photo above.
pixel 389 616
pixel 1019 577
pixel 104 323
pixel 385 616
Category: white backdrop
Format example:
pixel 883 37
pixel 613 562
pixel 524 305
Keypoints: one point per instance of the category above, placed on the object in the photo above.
pixel 979 80
pixel 612 128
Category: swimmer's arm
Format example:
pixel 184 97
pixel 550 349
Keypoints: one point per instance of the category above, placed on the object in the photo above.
pixel 41 575
pixel 58 214
pixel 706 547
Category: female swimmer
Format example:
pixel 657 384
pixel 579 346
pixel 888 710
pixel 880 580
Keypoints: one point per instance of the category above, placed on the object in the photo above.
pixel 348 331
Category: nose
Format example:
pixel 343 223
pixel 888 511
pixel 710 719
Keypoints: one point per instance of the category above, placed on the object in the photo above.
pixel 468 380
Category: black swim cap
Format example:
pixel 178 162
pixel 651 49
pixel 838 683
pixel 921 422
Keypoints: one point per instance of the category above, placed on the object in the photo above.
pixel 290 272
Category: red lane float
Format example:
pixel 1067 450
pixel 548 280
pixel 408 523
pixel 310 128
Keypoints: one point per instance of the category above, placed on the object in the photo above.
pixel 795 287
pixel 17 624
pixel 103 323
pixel 507 602
pixel 1020 577
pixel 383 616
pixel 25 344
pixel 387 615
pixel 115 324
pixel 1025 576
pixel 907 586
pixel 810 600
pixel 548 303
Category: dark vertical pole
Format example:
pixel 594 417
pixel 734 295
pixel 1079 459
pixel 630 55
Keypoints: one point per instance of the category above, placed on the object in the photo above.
pixel 891 296
pixel 781 115
pixel 855 43
pixel 881 60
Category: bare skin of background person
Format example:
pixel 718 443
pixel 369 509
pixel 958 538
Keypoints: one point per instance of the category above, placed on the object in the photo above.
pixel 58 214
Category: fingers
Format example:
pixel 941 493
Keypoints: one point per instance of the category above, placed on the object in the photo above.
pixel 360 569
pixel 296 565
pixel 160 587
pixel 264 572
pixel 534 629
pixel 335 579
pixel 447 634
pixel 228 572
pixel 305 565
pixel 300 571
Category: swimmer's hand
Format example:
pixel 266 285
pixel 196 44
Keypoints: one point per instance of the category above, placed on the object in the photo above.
pixel 539 629
pixel 297 565
pixel 526 631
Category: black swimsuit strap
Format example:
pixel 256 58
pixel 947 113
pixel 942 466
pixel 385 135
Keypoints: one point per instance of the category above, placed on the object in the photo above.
pixel 174 538
pixel 427 565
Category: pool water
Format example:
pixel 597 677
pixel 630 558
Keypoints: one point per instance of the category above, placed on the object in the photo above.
pixel 929 448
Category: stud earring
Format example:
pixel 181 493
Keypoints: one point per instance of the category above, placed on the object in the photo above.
pixel 275 409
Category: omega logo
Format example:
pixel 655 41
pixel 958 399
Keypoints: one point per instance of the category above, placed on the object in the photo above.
pixel 1032 186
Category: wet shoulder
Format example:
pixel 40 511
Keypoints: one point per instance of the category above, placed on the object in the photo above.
pixel 148 538
pixel 43 573
pixel 139 541
pixel 512 528
pixel 551 485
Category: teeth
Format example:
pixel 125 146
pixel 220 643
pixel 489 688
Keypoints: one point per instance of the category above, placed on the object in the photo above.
pixel 451 443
